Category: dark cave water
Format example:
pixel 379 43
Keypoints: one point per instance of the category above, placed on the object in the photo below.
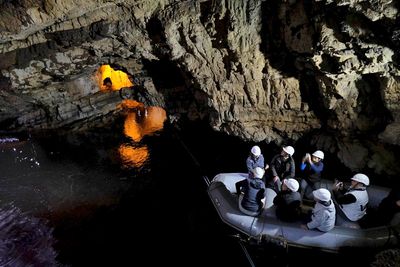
pixel 107 214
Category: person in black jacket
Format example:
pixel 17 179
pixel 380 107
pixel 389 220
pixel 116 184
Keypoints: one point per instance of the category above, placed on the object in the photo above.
pixel 288 200
pixel 252 193
pixel 389 207
pixel 282 167
pixel 387 213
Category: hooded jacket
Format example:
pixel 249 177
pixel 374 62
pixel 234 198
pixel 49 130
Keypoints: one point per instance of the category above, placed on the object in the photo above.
pixel 323 216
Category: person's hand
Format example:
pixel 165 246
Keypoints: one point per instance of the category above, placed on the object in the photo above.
pixel 266 166
pixel 337 186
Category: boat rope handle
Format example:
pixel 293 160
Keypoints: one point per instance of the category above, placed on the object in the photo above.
pixel 246 253
pixel 395 232
pixel 196 162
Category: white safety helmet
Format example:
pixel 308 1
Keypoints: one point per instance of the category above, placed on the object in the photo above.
pixel 318 154
pixel 256 151
pixel 361 178
pixel 258 172
pixel 322 194
pixel 292 184
pixel 289 150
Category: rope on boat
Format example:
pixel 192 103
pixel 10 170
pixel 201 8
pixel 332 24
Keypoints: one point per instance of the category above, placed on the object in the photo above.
pixel 208 182
pixel 243 247
pixel 393 230
pixel 196 162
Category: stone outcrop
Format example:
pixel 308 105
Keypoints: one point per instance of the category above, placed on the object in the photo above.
pixel 266 71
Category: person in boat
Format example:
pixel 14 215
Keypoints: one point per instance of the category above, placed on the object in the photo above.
pixel 251 193
pixel 255 159
pixel 311 168
pixel 288 201
pixel 351 202
pixel 282 167
pixel 324 212
pixel 389 208
pixel 387 212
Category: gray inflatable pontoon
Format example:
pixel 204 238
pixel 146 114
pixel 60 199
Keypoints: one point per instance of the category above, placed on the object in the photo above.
pixel 222 192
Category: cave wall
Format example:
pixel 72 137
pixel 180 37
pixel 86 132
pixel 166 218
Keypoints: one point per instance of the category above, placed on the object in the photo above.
pixel 266 71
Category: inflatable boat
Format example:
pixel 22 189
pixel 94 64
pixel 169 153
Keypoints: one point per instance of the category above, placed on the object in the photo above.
pixel 267 226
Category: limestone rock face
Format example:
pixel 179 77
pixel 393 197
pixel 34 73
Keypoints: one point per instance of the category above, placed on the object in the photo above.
pixel 266 71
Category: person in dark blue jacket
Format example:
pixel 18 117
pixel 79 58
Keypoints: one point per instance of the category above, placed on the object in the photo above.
pixel 252 193
pixel 311 168
pixel 255 159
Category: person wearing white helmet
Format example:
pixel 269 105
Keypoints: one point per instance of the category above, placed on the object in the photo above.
pixel 255 159
pixel 387 212
pixel 351 202
pixel 288 201
pixel 311 168
pixel 251 193
pixel 282 167
pixel 324 212
pixel 389 207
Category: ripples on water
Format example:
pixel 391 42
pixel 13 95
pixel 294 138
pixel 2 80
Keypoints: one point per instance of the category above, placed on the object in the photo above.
pixel 105 211
pixel 108 208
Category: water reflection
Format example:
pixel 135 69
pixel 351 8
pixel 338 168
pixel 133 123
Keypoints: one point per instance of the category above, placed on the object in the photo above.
pixel 133 156
pixel 140 121
pixel 144 121
pixel 35 181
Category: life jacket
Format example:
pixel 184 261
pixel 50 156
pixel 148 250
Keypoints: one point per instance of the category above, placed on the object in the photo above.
pixel 355 211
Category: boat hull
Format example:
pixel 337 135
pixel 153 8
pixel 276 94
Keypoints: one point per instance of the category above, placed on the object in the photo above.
pixel 222 194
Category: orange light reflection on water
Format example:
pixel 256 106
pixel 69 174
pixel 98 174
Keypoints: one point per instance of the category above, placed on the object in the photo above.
pixel 139 122
pixel 133 156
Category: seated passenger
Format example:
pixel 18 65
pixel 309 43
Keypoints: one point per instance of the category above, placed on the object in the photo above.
pixel 282 167
pixel 389 207
pixel 323 213
pixel 351 202
pixel 288 201
pixel 252 192
pixel 255 159
pixel 311 168
pixel 387 213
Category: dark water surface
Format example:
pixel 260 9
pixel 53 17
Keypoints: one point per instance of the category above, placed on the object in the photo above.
pixel 107 214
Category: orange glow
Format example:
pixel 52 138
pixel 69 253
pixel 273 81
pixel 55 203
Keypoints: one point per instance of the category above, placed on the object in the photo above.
pixel 143 121
pixel 132 156
pixel 130 104
pixel 132 128
pixel 119 79
pixel 140 121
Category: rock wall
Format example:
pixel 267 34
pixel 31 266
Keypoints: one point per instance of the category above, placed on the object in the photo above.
pixel 266 71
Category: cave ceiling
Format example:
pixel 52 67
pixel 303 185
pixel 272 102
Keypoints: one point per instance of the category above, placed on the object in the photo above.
pixel 264 71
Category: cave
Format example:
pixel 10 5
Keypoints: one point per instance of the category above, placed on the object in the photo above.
pixel 145 96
